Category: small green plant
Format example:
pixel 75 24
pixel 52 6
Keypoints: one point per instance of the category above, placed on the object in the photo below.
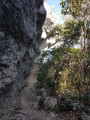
pixel 41 103
pixel 57 109
pixel 66 104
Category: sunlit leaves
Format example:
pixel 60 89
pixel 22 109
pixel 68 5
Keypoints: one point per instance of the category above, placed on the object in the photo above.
pixel 71 32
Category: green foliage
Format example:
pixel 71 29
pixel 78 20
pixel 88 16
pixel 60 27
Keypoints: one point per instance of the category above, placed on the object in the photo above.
pixel 44 54
pixel 71 32
pixel 56 32
pixel 67 75
pixel 66 103
pixel 44 78
pixel 62 76
pixel 63 3
pixel 41 103
pixel 76 8
pixel 79 10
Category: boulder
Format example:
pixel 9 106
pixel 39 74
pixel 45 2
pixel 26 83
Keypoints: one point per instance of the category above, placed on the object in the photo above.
pixel 51 114
pixel 42 90
pixel 50 102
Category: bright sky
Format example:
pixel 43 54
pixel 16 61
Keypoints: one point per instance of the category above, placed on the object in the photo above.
pixel 57 7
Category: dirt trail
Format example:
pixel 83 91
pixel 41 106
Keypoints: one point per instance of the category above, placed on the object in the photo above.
pixel 25 107
pixel 28 102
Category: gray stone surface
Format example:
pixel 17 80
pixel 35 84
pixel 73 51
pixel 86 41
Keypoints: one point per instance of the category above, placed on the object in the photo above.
pixel 43 90
pixel 50 102
pixel 85 117
pixel 20 28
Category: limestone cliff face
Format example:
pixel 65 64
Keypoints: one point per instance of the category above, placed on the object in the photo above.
pixel 50 22
pixel 51 18
pixel 20 28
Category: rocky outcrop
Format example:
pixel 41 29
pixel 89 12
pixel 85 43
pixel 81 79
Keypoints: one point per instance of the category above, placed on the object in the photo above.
pixel 20 28
pixel 49 24
pixel 51 18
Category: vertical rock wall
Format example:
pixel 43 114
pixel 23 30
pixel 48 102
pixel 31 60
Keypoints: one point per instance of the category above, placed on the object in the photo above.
pixel 20 28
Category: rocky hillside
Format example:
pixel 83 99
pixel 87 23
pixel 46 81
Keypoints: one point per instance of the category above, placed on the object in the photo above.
pixel 20 28
pixel 50 22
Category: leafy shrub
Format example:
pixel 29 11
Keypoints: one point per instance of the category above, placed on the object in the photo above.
pixel 64 75
pixel 41 103
pixel 66 103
